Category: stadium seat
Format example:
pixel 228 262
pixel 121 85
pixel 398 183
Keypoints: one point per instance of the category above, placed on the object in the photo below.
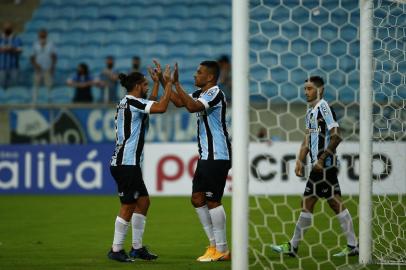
pixel 62 95
pixel 87 12
pixel 94 37
pixel 18 95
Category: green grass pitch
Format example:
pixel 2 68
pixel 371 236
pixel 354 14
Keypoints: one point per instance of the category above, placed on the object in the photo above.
pixel 75 232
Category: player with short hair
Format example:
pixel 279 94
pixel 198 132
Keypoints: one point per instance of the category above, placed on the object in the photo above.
pixel 209 104
pixel 131 123
pixel 321 140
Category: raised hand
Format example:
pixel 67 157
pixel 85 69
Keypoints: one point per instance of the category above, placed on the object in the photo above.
pixel 175 77
pixel 158 68
pixel 167 73
pixel 153 74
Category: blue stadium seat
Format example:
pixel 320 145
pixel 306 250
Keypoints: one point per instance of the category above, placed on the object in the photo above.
pixel 79 25
pixel 35 25
pixel 94 37
pixel 28 38
pixel 104 25
pixel 152 12
pixel 124 24
pixel 62 95
pixel 18 95
pixel 42 95
pixel 88 51
pixel 65 64
pixel 67 51
pixel 112 12
pixel 58 25
pixel 119 37
pixel 87 12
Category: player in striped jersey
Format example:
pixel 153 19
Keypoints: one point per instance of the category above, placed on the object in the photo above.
pixel 131 127
pixel 209 180
pixel 321 140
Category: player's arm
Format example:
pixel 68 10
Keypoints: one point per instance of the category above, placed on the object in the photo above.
pixel 335 140
pixel 304 150
pixel 190 104
pixel 187 101
pixel 155 87
pixel 162 104
pixel 335 137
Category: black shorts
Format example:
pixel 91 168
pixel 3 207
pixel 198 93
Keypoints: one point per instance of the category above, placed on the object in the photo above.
pixel 323 184
pixel 130 185
pixel 210 177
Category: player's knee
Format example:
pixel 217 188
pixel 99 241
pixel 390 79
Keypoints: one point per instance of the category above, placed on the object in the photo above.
pixel 197 200
pixel 213 204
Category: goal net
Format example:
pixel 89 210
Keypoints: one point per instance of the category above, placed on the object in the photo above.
pixel 291 40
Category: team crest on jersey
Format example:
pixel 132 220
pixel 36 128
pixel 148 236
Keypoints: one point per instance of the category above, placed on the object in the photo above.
pixel 324 108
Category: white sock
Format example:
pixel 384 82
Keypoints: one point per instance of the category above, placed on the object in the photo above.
pixel 205 219
pixel 303 223
pixel 346 224
pixel 138 226
pixel 120 231
pixel 218 218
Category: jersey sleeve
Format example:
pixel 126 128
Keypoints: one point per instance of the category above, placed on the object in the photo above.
pixel 211 98
pixel 328 115
pixel 141 105
pixel 195 94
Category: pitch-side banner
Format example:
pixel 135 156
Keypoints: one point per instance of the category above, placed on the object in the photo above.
pixel 168 169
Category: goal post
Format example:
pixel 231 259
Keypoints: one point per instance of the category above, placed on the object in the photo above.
pixel 240 128
pixel 365 138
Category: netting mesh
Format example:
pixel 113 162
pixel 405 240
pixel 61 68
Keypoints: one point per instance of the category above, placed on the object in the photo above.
pixel 291 40
pixel 389 116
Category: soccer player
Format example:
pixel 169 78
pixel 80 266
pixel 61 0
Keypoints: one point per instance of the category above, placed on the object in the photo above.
pixel 131 125
pixel 321 140
pixel 209 104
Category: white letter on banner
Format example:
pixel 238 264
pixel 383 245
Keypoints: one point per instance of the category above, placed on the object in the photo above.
pixel 41 169
pixel 28 170
pixel 96 182
pixel 108 125
pixel 13 182
pixel 94 117
pixel 55 163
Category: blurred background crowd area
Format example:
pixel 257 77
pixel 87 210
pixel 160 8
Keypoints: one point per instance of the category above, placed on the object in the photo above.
pixel 50 47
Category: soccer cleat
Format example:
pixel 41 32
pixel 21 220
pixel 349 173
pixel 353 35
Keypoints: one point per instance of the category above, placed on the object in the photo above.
pixel 285 248
pixel 347 251
pixel 206 257
pixel 119 256
pixel 143 254
pixel 220 256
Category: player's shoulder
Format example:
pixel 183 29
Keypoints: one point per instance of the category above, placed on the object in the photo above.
pixel 212 91
pixel 196 93
pixel 324 106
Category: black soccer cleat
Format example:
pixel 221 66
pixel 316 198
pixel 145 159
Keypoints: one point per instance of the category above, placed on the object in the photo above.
pixel 143 254
pixel 119 256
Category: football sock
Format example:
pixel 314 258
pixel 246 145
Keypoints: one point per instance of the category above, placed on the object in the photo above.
pixel 303 223
pixel 205 219
pixel 138 226
pixel 120 231
pixel 346 224
pixel 218 217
